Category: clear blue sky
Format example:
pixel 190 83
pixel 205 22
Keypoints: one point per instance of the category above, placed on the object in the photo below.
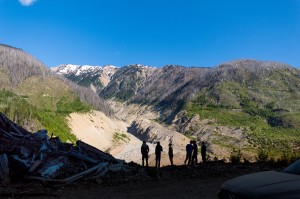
pixel 153 32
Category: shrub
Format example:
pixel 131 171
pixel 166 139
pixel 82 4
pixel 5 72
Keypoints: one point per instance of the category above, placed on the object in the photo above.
pixel 262 156
pixel 235 156
pixel 285 158
pixel 117 137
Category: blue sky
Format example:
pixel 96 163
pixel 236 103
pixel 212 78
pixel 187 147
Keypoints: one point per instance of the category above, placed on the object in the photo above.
pixel 153 32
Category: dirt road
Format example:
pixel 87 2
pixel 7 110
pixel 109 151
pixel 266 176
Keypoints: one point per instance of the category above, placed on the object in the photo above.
pixel 181 189
pixel 179 182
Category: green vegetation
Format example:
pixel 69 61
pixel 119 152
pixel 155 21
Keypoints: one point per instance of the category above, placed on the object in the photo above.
pixel 267 110
pixel 34 98
pixel 283 159
pixel 66 106
pixel 125 84
pixel 235 156
pixel 123 96
pixel 262 156
pixel 19 109
pixel 16 107
pixel 117 137
pixel 56 124
pixel 85 81
pixel 258 130
pixel 188 135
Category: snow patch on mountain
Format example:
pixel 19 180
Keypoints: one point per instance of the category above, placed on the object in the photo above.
pixel 67 69
pixel 83 74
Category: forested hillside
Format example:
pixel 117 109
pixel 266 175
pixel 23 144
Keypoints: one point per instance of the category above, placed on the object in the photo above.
pixel 32 96
pixel 260 98
pixel 244 104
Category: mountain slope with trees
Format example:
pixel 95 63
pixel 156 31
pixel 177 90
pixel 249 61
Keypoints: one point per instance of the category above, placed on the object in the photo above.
pixel 244 104
pixel 32 96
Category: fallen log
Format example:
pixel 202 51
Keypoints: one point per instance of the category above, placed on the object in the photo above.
pixel 98 171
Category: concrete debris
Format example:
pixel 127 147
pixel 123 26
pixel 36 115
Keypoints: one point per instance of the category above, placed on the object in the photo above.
pixel 26 156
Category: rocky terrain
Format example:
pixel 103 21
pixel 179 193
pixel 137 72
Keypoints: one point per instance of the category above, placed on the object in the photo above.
pixel 95 77
pixel 241 109
pixel 234 106
pixel 123 139
pixel 243 105
pixel 198 181
pixel 37 166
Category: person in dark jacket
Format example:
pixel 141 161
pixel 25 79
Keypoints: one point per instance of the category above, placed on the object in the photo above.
pixel 144 152
pixel 195 153
pixel 203 152
pixel 158 150
pixel 170 153
pixel 189 151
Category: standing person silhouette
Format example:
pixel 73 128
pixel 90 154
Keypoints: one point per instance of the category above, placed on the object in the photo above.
pixel 144 152
pixel 195 153
pixel 203 152
pixel 170 153
pixel 189 151
pixel 158 150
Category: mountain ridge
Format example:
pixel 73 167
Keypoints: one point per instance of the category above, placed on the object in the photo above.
pixel 95 77
pixel 238 100
pixel 35 97
pixel 242 104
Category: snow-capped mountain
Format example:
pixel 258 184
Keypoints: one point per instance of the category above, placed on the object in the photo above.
pixel 77 70
pixel 96 77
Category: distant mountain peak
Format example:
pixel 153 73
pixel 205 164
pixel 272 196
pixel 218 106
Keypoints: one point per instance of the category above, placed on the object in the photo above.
pixel 87 75
pixel 67 69
pixel 139 66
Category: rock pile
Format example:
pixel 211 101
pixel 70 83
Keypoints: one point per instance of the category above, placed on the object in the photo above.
pixel 34 156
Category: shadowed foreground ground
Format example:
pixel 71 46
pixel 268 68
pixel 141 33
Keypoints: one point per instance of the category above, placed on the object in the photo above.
pixel 197 181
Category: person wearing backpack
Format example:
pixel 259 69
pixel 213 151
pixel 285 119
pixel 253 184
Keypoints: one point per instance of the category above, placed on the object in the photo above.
pixel 144 152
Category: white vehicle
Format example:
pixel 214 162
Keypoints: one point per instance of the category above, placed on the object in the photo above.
pixel 264 185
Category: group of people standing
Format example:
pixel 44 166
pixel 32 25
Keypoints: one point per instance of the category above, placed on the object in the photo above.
pixel 145 151
pixel 191 153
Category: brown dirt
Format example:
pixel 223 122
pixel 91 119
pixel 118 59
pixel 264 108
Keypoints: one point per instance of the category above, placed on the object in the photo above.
pixel 196 181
